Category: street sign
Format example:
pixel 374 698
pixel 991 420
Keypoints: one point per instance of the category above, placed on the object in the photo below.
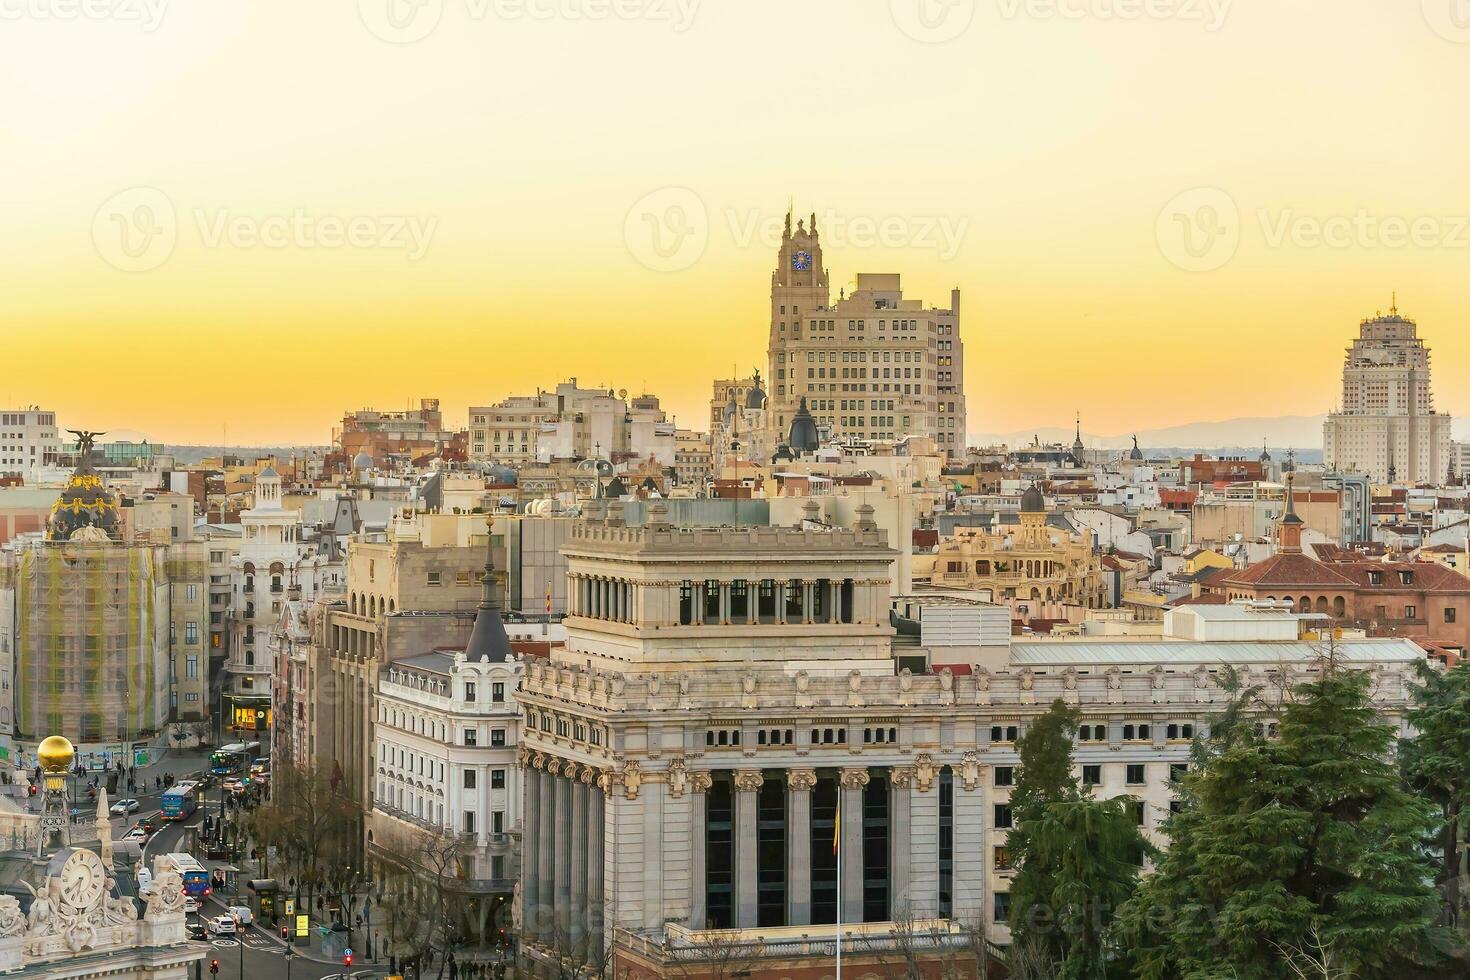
pixel 290 907
pixel 303 926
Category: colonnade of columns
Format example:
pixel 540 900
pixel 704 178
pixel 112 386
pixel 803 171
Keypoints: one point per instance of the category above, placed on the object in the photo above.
pixel 599 597
pixel 719 603
pixel 913 858
pixel 561 858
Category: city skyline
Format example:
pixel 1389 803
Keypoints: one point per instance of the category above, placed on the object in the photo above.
pixel 1097 221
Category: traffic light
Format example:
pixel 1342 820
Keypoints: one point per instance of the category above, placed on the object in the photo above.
pixel 214 966
pixel 347 958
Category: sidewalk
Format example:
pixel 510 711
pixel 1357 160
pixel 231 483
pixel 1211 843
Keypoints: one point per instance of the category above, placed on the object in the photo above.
pixel 314 946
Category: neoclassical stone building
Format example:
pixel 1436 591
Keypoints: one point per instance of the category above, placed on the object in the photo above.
pixel 729 701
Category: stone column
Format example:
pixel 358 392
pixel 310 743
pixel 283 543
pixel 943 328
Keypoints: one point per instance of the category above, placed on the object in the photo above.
pixel 808 591
pixel 546 845
pixel 580 789
pixel 699 784
pixel 969 838
pixel 747 784
pixel 562 860
pixel 530 848
pixel 900 847
pixel 781 602
pixel 923 897
pixel 596 810
pixel 724 603
pixel 852 782
pixel 799 784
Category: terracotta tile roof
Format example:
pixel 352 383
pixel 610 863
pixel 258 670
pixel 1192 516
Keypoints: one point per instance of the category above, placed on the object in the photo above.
pixel 1299 570
pixel 1285 569
pixel 1208 599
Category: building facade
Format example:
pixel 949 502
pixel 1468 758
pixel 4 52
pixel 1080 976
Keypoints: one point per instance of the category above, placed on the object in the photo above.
pixel 874 366
pixel 1387 426
pixel 728 724
pixel 278 557
pixel 28 441
pixel 571 422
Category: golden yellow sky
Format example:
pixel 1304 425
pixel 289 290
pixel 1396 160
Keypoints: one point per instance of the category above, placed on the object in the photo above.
pixel 254 214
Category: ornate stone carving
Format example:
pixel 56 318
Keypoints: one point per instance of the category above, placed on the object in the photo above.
pixel 925 772
pixel 946 685
pixel 969 770
pixel 855 689
pixel 523 756
pixel 632 779
pixel 905 680
pixel 1028 679
pixel 653 685
pixel 12 922
pixel 801 780
pixel 749 780
pixel 678 778
pixel 570 769
pixel 1069 678
pixel 902 777
pixel 165 896
pixel 700 781
pixel 853 778
pixel 589 776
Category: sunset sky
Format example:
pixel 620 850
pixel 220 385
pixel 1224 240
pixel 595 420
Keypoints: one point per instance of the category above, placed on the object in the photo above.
pixel 232 219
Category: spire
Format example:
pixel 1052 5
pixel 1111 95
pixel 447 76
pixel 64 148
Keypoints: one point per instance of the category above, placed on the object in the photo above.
pixel 786 233
pixel 1290 537
pixel 1393 309
pixel 104 828
pixel 488 640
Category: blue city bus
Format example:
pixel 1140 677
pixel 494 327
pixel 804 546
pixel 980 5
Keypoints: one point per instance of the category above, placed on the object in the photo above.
pixel 180 801
pixel 196 879
pixel 233 759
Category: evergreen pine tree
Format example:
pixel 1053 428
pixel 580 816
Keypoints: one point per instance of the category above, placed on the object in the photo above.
pixel 1309 837
pixel 1436 765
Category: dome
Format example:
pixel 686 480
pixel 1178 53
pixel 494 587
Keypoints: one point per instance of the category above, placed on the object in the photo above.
pixel 1136 454
pixel 731 409
pixel 84 503
pixel 56 754
pixel 1032 501
pixel 756 398
pixel 362 461
pixel 269 473
pixel 803 437
pixel 616 488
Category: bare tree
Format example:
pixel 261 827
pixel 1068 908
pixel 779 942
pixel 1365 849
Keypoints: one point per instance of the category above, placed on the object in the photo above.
pixel 1313 958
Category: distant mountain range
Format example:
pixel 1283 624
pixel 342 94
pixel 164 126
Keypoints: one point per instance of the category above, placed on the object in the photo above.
pixel 1300 432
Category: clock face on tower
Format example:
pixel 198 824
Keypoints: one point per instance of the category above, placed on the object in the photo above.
pixel 801 261
pixel 82 879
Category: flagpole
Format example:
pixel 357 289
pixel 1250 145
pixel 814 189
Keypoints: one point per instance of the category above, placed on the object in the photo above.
pixel 837 850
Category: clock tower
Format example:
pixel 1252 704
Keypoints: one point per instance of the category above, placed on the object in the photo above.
pixel 798 287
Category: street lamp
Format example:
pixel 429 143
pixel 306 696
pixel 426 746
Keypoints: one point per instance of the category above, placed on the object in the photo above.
pixel 289 953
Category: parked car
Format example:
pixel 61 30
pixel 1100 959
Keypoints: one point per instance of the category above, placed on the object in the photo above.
pixel 123 808
pixel 222 925
pixel 197 930
pixel 136 834
pixel 243 915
